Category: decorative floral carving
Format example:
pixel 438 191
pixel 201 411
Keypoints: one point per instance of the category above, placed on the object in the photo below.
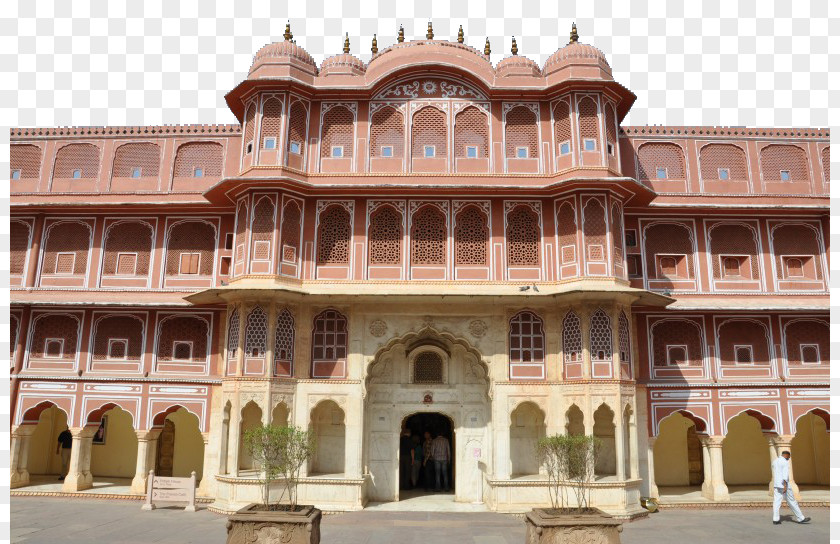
pixel 429 87
pixel 478 328
pixel 378 328
pixel 428 321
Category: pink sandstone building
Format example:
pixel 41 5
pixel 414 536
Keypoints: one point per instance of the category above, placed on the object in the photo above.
pixel 423 234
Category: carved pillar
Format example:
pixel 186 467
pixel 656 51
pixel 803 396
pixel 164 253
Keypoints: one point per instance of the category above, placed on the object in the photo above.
pixel 654 489
pixel 234 432
pixel 616 354
pixel 21 438
pixel 269 348
pixel 207 471
pixel 585 313
pixel 146 452
pixel 714 488
pixel 79 476
pixel 634 447
pixel 240 345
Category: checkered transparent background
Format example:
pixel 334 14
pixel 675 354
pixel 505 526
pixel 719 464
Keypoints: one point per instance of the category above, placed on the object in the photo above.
pixel 709 62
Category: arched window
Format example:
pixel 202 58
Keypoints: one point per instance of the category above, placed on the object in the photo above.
pixel 256 331
pixel 140 160
pixel 676 342
pixel 428 368
pixel 562 129
pixel 334 236
pixel 572 339
pixel 610 124
pixel 271 121
pixel 54 336
pixel 198 160
pixel 471 236
pixel 290 232
pixel 826 164
pixel 233 334
pixel 337 133
pixel 666 246
pixel 296 147
pixel 595 230
pixel 262 229
pixel 807 342
pixel 661 161
pixel 588 119
pixel 284 343
pixel 784 163
pixel 118 338
pixel 523 237
pixel 18 246
pixel 26 161
pixel 329 344
pixel 526 338
pixel 600 337
pixel 723 162
pixel 521 137
pixel 385 236
pixel 66 248
pixel 624 338
pixel 471 134
pixel 567 233
pixel 616 226
pixel 428 236
pixel 743 341
pixel 428 134
pixel 734 249
pixel 250 129
pixel 183 338
pixel 387 133
pixel 796 249
pixel 77 161
pixel 191 246
pixel 128 248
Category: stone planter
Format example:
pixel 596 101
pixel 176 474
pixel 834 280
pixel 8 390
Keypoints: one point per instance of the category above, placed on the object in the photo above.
pixel 253 526
pixel 545 526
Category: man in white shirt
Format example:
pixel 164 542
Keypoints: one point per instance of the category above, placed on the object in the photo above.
pixel 781 474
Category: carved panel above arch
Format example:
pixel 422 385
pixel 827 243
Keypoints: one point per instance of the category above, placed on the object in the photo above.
pixel 430 87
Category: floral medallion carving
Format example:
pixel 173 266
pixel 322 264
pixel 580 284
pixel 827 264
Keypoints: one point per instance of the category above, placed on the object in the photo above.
pixel 378 328
pixel 478 328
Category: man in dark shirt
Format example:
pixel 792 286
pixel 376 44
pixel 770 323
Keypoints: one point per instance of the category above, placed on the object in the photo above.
pixel 65 444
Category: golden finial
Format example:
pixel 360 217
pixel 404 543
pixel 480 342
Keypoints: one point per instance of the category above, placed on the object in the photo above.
pixel 373 47
pixel 429 32
pixel 573 35
pixel 401 35
pixel 346 42
pixel 460 33
pixel 513 49
pixel 287 36
pixel 487 47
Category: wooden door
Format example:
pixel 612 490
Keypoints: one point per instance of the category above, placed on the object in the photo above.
pixel 165 449
pixel 695 457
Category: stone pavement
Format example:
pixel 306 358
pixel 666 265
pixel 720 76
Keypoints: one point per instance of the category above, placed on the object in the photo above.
pixel 50 520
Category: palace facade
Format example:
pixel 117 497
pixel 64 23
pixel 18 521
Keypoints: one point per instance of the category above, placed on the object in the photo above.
pixel 424 233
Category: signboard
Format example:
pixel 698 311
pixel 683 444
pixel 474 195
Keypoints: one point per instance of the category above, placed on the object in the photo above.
pixel 169 489
pixel 476 453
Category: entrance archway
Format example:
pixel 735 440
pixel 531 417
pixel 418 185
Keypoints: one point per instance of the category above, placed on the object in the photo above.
pixel 43 463
pixel 412 437
pixel 678 454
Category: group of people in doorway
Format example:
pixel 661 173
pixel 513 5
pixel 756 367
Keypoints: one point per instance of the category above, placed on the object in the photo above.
pixel 424 461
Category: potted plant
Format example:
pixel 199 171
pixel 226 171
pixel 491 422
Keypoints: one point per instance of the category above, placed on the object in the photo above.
pixel 280 453
pixel 570 462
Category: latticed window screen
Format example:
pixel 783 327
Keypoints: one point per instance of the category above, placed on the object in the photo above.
pixel 624 338
pixel 826 164
pixel 523 237
pixel 572 339
pixel 714 157
pixel 182 329
pixel 617 238
pixel 731 239
pixel 429 128
pixel 594 230
pixel 134 237
pixel 27 159
pixel 290 232
pixel 145 156
pixel 521 131
pixel 387 129
pixel 526 338
pixel 18 245
pixel 806 332
pixel 284 337
pixel 385 236
pixel 334 236
pixel 471 236
pixel 795 240
pixel 204 155
pixel 60 326
pixel 14 326
pixel 471 130
pixel 567 233
pixel 741 332
pixel 250 126
pixel 329 340
pixel 669 239
pixel 609 123
pixel 262 229
pixel 428 368
pixel 676 332
pixel 297 126
pixel 271 120
pixel 233 334
pixel 661 155
pixel 588 119
pixel 121 327
pixel 562 124
pixel 600 336
pixel 191 237
pixel 428 236
pixel 83 157
pixel 337 131
pixel 256 332
pixel 775 158
pixel 241 239
pixel 66 237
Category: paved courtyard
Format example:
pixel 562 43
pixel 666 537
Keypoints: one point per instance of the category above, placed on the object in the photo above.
pixel 50 520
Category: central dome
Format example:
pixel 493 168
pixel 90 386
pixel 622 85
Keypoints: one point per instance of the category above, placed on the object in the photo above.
pixel 344 63
pixel 577 54
pixel 285 52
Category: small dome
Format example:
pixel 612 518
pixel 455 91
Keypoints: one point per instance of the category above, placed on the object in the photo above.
pixel 344 63
pixel 516 65
pixel 576 54
pixel 285 52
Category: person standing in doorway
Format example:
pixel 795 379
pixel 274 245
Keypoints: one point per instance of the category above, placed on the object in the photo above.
pixel 781 489
pixel 441 455
pixel 428 462
pixel 64 446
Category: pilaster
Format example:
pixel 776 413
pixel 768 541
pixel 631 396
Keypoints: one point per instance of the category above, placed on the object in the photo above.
pixel 714 488
pixel 79 476
pixel 146 451
pixel 21 437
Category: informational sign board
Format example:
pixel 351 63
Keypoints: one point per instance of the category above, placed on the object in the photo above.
pixel 169 489
pixel 476 453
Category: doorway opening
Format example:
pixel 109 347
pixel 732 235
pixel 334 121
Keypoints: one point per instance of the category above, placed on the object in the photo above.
pixel 422 478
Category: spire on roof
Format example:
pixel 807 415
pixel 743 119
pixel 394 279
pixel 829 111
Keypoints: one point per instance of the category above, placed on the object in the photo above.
pixel 573 35
pixel 346 42
pixel 460 33
pixel 487 46
pixel 287 35
pixel 430 34
pixel 513 49
pixel 374 48
pixel 401 35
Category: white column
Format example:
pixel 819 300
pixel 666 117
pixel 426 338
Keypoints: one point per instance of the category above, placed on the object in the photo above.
pixel 584 313
pixel 714 488
pixel 79 476
pixel 146 453
pixel 21 437
pixel 620 446
pixel 654 489
pixel 207 470
pixel 634 448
